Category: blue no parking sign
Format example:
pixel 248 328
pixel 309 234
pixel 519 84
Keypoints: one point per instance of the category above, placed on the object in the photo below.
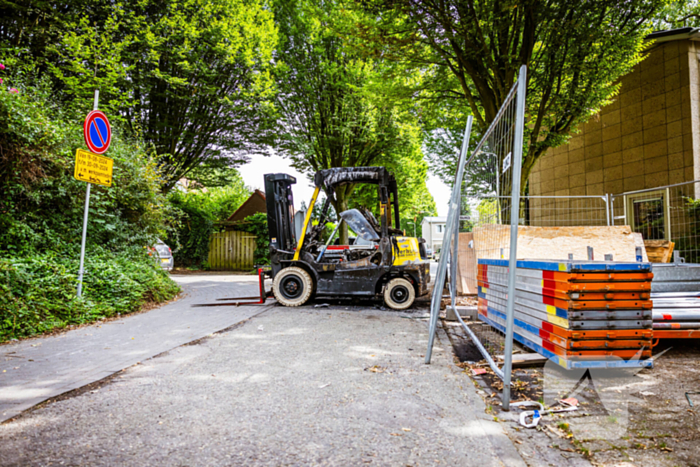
pixel 97 132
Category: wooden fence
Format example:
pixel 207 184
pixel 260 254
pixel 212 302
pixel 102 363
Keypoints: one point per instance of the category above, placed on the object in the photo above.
pixel 231 251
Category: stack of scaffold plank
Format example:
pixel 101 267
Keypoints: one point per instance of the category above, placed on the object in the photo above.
pixel 577 314
pixel 675 292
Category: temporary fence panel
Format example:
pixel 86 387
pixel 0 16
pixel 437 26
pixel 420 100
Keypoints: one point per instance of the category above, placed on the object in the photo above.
pixel 663 213
pixel 564 211
pixel 231 251
pixel 491 187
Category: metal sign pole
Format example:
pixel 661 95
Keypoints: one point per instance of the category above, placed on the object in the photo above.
pixel 81 270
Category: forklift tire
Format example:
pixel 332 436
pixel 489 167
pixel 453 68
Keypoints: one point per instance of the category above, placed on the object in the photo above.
pixel 292 286
pixel 399 294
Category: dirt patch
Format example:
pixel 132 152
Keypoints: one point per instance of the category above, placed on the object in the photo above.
pixel 644 419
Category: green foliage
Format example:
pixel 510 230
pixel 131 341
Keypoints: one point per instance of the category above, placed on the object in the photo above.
pixel 462 57
pixel 41 212
pixel 38 291
pixel 41 204
pixel 190 78
pixel 257 225
pixel 199 210
pixel 326 115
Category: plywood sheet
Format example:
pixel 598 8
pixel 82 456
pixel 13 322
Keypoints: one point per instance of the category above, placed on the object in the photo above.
pixel 555 243
pixel 467 270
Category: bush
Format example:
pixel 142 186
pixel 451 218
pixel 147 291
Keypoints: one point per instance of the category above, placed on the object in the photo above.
pixel 199 211
pixel 41 213
pixel 38 292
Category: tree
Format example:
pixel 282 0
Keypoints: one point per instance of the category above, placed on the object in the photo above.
pixel 468 54
pixel 189 77
pixel 325 116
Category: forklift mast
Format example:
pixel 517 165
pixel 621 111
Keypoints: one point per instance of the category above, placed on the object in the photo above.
pixel 280 211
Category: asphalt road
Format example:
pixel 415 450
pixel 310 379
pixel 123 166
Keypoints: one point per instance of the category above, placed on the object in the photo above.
pixel 305 386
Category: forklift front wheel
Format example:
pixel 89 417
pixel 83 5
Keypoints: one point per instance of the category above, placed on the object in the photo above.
pixel 292 286
pixel 399 294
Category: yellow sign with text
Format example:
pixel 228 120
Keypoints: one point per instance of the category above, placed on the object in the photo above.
pixel 92 168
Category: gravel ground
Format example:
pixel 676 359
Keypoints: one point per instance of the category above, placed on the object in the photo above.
pixel 288 387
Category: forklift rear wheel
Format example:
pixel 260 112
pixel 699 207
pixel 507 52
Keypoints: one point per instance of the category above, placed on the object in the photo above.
pixel 399 294
pixel 292 286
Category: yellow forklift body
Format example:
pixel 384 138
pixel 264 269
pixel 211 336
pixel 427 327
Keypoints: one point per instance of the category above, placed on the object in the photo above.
pixel 406 251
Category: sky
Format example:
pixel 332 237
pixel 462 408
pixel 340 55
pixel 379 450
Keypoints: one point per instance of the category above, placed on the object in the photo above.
pixel 253 172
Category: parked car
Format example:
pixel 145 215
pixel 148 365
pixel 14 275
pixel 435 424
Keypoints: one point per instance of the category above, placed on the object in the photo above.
pixel 162 254
pixel 429 253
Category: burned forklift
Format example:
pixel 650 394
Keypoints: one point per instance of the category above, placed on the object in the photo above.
pixel 382 262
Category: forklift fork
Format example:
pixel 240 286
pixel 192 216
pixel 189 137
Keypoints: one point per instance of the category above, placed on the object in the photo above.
pixel 259 299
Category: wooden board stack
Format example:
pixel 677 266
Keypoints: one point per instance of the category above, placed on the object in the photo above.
pixel 577 314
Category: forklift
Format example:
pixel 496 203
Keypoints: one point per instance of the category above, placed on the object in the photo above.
pixel 382 262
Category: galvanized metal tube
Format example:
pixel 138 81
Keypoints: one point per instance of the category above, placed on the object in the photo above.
pixel 453 214
pixel 514 218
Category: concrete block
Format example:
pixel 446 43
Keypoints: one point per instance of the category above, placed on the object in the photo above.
pixel 653 88
pixel 576 168
pixel 630 97
pixel 577 180
pixel 632 170
pixel 676 176
pixel 673 113
pixel 633 183
pixel 654 180
pixel 684 74
pixel 632 80
pixel 671 66
pixel 672 82
pixel 615 105
pixel 633 110
pixel 654 104
pixel 576 155
pixel 464 311
pixel 561 171
pixel 675 145
pixel 547 177
pixel 593 150
pixel 614 186
pixel 561 159
pixel 650 120
pixel 676 161
pixel 594 177
pixel 611 132
pixel 689 173
pixel 632 155
pixel 687 142
pixel 633 140
pixel 595 163
pixel 611 159
pixel 593 137
pixel 631 125
pixel 673 97
pixel 670 49
pixel 535 177
pixel 611 118
pixel 688 159
pixel 595 190
pixel 593 124
pixel 686 126
pixel 674 129
pixel 576 142
pixel 612 173
pixel 656 165
pixel 654 150
pixel 578 190
pixel 547 162
pixel 654 135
